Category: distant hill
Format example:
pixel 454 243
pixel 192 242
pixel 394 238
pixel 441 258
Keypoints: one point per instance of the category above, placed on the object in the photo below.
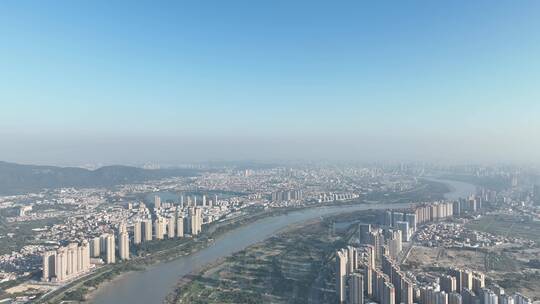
pixel 20 179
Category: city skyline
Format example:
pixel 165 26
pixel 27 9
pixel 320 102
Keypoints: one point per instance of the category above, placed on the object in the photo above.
pixel 238 151
pixel 182 82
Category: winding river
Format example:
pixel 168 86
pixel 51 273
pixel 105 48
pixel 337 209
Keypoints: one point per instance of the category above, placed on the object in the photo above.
pixel 156 282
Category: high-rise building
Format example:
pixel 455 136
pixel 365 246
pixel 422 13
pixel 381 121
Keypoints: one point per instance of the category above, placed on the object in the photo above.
pixel 497 289
pixel 147 230
pixel 137 232
pixel 192 221
pixel 367 256
pixel 521 299
pixel 85 246
pixel 66 262
pixel 122 228
pixel 506 299
pixel 72 259
pixel 378 280
pixel 198 215
pixel 376 239
pixel 489 297
pixel 341 275
pixel 363 236
pixel 110 257
pixel 407 290
pixel 441 297
pixel 411 219
pixel 395 244
pixel 478 282
pixel 287 195
pixel 80 259
pixel 95 248
pixel 49 259
pixel 388 218
pixel 103 244
pixel 159 228
pixel 356 288
pixel 123 245
pixel 454 298
pixel 195 220
pixel 397 217
pixel 448 283
pixel 368 281
pixel 61 264
pixel 456 273
pixel 466 279
pixel 179 227
pixel 352 259
pixel 456 208
pixel 171 227
pixel 468 296
pixel 403 226
pixel 157 201
pixel 389 293
pixel 396 277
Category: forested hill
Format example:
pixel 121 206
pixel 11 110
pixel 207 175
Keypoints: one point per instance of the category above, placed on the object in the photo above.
pixel 20 179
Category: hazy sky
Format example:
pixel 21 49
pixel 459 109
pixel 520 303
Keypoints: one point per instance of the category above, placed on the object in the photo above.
pixel 91 81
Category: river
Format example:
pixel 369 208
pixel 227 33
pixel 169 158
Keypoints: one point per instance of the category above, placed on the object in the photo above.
pixel 156 282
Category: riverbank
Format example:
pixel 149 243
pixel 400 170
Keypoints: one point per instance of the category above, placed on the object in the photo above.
pixel 280 268
pixel 164 268
pixel 90 295
pixel 167 251
pixel 88 287
pixel 290 266
pixel 164 276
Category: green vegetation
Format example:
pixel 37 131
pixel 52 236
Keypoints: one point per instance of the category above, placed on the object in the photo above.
pixel 22 233
pixel 166 250
pixel 507 225
pixel 499 262
pixel 9 284
pixel 426 191
pixel 513 281
pixel 288 268
pixel 153 252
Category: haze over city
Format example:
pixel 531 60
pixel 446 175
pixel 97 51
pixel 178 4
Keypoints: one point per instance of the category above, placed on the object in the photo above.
pixel 129 83
pixel 251 152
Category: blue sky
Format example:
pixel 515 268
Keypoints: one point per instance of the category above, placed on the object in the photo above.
pixel 422 77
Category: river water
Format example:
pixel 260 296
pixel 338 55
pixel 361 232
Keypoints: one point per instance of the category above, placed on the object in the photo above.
pixel 156 282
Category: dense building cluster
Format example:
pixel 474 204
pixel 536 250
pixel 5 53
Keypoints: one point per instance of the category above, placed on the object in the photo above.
pixel 360 276
pixel 60 265
pixel 66 262
pixel 287 195
pixel 372 271
pixel 115 220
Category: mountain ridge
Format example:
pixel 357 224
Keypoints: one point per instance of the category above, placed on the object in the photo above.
pixel 22 178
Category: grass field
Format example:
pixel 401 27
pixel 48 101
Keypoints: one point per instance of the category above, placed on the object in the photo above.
pixel 291 267
pixel 278 270
pixel 500 262
pixel 507 225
